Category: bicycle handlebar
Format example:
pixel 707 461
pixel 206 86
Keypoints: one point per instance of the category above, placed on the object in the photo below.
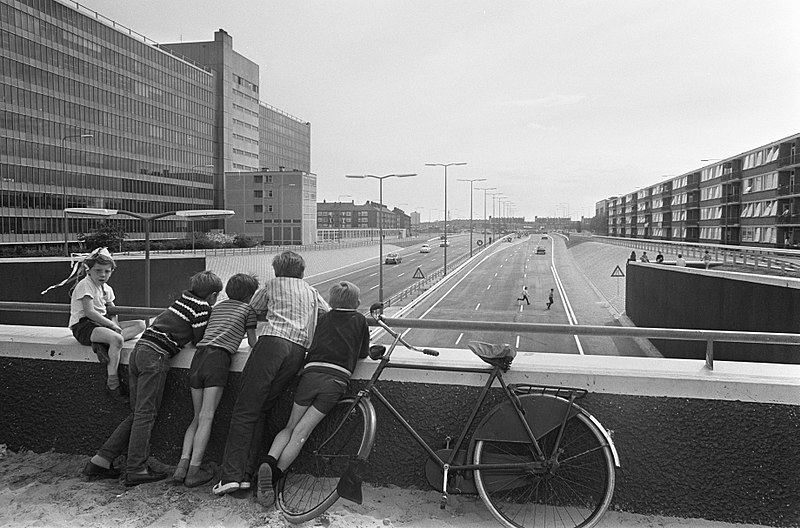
pixel 376 312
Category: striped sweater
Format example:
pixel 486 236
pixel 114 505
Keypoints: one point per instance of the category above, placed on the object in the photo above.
pixel 185 320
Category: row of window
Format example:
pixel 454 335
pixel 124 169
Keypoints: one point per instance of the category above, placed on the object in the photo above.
pixel 18 75
pixel 98 39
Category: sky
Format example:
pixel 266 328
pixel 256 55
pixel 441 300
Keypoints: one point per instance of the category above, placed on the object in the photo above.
pixel 556 103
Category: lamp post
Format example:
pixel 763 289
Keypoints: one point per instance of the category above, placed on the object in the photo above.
pixel 64 182
pixel 380 221
pixel 495 198
pixel 445 165
pixel 194 198
pixel 484 189
pixel 204 214
pixel 471 181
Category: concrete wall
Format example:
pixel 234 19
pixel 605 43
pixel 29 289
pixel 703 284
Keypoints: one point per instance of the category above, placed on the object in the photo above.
pixel 26 278
pixel 672 297
pixel 720 445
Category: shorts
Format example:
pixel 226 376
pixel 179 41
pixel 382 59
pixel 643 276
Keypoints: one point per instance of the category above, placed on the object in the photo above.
pixel 82 330
pixel 209 368
pixel 321 390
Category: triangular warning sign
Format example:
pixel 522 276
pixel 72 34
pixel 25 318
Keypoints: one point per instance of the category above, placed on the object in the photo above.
pixel 418 274
pixel 617 272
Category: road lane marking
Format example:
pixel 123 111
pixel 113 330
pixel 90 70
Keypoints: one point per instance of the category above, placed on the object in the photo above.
pixel 401 274
pixel 374 287
pixel 459 338
pixel 489 287
pixel 517 345
pixel 478 306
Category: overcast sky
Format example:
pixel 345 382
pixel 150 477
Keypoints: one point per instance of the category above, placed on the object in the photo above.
pixel 558 104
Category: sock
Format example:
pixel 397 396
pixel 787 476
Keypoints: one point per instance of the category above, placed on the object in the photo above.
pixel 272 463
pixel 113 381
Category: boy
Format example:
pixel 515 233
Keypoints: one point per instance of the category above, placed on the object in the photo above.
pixel 185 320
pixel 230 320
pixel 340 340
pixel 291 307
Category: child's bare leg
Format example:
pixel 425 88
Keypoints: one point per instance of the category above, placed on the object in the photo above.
pixel 188 437
pixel 285 434
pixel 299 436
pixel 131 329
pixel 196 475
pixel 114 342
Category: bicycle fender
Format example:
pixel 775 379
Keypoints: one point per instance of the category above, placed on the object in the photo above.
pixel 543 413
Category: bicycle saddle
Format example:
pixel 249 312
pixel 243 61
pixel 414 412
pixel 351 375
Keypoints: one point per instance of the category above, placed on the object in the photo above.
pixel 495 355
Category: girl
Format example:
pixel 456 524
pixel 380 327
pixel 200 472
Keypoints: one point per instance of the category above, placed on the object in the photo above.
pixel 89 323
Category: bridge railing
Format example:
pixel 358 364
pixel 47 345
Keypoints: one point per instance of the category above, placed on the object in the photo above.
pixel 710 337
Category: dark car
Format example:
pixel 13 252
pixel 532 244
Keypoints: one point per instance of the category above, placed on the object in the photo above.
pixel 393 258
pixel 540 250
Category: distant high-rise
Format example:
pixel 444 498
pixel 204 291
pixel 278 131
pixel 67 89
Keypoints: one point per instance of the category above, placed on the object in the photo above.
pixel 96 115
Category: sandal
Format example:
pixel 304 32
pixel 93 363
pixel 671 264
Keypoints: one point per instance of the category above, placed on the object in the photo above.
pixel 220 489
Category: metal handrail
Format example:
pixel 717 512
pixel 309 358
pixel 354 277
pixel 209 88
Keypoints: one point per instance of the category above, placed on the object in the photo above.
pixel 709 336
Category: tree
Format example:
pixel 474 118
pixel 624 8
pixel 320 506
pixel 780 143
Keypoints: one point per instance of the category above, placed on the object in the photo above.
pixel 107 234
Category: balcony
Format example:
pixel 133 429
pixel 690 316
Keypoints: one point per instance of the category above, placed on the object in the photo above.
pixel 792 160
pixel 732 198
pixel 784 190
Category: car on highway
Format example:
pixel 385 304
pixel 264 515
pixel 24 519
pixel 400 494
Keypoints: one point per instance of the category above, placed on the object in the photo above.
pixel 544 237
pixel 426 248
pixel 393 258
pixel 444 243
pixel 540 250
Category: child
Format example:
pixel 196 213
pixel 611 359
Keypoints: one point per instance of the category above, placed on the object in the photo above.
pixel 341 338
pixel 89 323
pixel 550 299
pixel 230 320
pixel 185 320
pixel 524 295
pixel 291 307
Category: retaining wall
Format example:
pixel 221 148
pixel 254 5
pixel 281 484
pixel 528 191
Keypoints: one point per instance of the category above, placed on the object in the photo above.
pixel 720 445
pixel 671 297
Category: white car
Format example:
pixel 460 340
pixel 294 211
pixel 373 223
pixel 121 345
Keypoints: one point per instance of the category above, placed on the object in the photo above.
pixel 426 248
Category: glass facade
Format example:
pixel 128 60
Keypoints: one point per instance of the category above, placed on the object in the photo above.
pixel 93 114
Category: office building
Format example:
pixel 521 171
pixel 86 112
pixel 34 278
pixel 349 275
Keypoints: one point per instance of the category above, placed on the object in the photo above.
pixel 94 114
pixel 750 199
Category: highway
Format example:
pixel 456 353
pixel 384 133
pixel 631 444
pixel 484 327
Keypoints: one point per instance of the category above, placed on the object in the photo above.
pixel 487 288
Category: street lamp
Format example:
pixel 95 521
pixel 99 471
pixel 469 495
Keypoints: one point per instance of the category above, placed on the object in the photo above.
pixel 380 221
pixel 495 198
pixel 445 165
pixel 191 214
pixel 484 189
pixel 194 198
pixel 471 181
pixel 64 181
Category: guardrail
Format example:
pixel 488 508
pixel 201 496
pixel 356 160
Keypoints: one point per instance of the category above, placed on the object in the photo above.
pixel 767 258
pixel 709 336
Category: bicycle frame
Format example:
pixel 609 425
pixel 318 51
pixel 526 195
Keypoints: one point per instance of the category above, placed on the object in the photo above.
pixel 540 463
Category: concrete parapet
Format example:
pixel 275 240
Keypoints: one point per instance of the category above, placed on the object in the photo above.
pixel 720 445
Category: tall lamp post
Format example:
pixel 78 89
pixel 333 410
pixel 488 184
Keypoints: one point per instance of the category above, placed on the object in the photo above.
pixel 445 165
pixel 191 214
pixel 471 181
pixel 64 181
pixel 194 198
pixel 380 221
pixel 495 198
pixel 484 189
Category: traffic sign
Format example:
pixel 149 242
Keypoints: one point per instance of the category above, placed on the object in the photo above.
pixel 418 274
pixel 479 242
pixel 617 272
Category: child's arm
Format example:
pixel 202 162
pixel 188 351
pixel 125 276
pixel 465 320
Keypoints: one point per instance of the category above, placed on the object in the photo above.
pixel 90 312
pixel 251 337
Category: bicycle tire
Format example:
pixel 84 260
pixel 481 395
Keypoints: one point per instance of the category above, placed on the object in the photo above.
pixel 574 493
pixel 309 486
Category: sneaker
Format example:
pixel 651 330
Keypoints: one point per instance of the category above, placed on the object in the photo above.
pixel 220 489
pixel 265 494
pixel 134 479
pixel 93 471
pixel 197 478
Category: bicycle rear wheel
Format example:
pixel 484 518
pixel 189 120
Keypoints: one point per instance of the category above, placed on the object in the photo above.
pixel 572 488
pixel 344 436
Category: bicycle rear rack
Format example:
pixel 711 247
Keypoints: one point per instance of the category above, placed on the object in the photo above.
pixel 565 393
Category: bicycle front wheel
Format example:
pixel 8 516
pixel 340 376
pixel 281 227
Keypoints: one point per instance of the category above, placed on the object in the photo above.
pixel 572 487
pixel 345 435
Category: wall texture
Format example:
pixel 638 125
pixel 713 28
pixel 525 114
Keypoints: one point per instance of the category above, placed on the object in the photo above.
pixel 670 297
pixel 719 460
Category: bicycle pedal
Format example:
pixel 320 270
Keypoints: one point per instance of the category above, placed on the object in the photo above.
pixel 443 501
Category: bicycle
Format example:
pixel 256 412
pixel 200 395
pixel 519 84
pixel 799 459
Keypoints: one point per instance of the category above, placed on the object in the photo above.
pixel 537 458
